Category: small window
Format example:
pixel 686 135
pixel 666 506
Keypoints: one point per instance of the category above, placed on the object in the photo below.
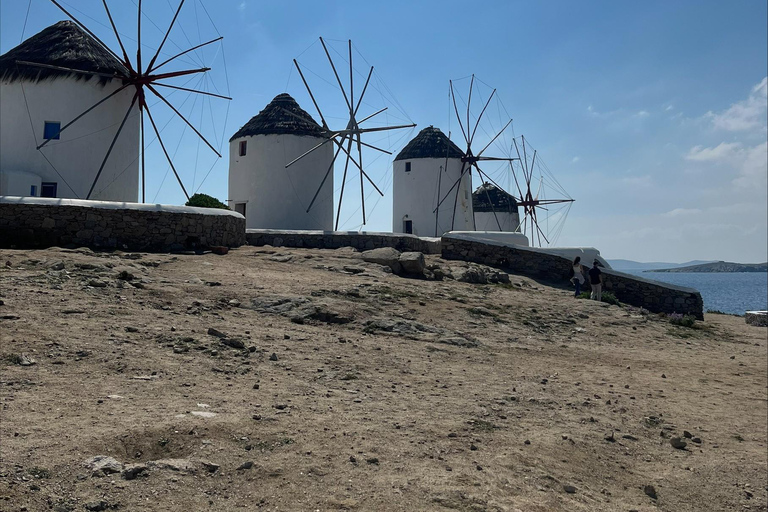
pixel 407 166
pixel 33 191
pixel 51 130
pixel 48 189
pixel 240 207
pixel 408 227
pixel 243 147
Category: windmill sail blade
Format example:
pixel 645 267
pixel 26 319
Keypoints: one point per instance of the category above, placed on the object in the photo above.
pixel 112 145
pixel 343 183
pixel 81 115
pixel 193 90
pixel 326 141
pixel 365 88
pixel 183 118
pixel 328 172
pixel 165 151
pixel 333 66
pixel 312 96
pixel 126 60
pixel 162 43
pixel 494 139
pixel 184 53
pixel 87 31
pixel 481 116
pixel 456 109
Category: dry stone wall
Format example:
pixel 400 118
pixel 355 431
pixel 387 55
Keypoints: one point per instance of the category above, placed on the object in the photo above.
pixel 651 295
pixel 43 222
pixel 335 239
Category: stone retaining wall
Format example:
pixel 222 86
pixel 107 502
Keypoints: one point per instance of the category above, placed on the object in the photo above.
pixel 46 222
pixel 334 239
pixel 651 295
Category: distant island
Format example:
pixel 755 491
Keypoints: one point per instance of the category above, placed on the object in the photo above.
pixel 717 266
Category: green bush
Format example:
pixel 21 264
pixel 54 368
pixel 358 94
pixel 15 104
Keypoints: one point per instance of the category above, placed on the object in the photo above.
pixel 607 297
pixel 682 320
pixel 206 201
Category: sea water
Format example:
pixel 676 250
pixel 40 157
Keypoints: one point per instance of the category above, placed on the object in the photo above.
pixel 729 292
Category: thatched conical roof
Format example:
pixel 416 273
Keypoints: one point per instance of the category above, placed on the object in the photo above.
pixel 501 200
pixel 283 116
pixel 430 143
pixel 63 44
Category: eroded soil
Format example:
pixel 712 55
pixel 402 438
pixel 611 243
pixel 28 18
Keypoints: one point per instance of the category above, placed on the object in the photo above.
pixel 349 388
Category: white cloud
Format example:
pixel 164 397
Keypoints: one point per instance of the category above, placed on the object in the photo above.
pixel 642 113
pixel 242 6
pixel 720 152
pixel 669 107
pixel 575 159
pixel 680 212
pixel 744 115
pixel 753 174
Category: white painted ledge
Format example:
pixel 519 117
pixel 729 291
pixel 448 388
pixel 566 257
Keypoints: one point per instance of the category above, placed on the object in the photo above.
pixel 115 205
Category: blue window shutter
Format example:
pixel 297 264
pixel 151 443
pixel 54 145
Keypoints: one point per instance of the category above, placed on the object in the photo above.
pixel 51 130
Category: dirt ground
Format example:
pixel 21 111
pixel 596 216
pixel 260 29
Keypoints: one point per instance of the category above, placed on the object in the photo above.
pixel 286 379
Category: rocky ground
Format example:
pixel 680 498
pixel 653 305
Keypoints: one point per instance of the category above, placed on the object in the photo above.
pixel 285 379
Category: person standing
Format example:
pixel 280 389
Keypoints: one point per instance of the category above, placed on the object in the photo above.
pixel 596 280
pixel 578 275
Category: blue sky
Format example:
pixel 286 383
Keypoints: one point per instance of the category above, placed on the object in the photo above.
pixel 651 115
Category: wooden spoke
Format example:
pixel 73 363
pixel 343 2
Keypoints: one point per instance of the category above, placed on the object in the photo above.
pixel 360 167
pixel 456 109
pixel 183 118
pixel 162 43
pixel 472 137
pixel 370 116
pixel 127 61
pixel 184 53
pixel 165 151
pixel 469 102
pixel 83 114
pixel 138 48
pixel 333 66
pixel 326 141
pixel 112 145
pixel 360 100
pixel 193 90
pixel 330 168
pixel 343 183
pixel 69 70
pixel 494 139
pixel 360 157
pixel 79 24
pixel 314 102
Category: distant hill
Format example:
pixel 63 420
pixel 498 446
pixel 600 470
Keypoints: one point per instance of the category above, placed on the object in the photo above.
pixel 638 265
pixel 718 266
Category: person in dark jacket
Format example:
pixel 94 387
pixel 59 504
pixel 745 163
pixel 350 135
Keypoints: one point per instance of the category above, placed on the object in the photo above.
pixel 596 280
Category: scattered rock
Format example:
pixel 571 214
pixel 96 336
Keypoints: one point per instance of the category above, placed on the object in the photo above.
pixel 232 342
pixel 650 491
pixel 96 283
pixel 372 460
pixel 385 256
pixel 219 249
pixel 678 443
pixel 25 360
pixel 245 465
pixel 215 332
pixel 131 471
pixel 96 506
pixel 131 329
pixel 273 357
pixel 412 263
pixel 687 434
pixel 569 489
pixel 103 465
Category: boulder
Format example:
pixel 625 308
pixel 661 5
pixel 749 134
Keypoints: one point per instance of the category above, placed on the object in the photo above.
pixel 386 256
pixel 103 465
pixel 412 263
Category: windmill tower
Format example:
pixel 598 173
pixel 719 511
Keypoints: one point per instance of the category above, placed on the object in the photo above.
pixel 45 82
pixel 37 101
pixel 262 189
pixel 489 199
pixel 423 172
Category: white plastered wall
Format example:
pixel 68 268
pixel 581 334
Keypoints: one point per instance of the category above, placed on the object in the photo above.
pixel 26 106
pixel 276 197
pixel 485 221
pixel 415 194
